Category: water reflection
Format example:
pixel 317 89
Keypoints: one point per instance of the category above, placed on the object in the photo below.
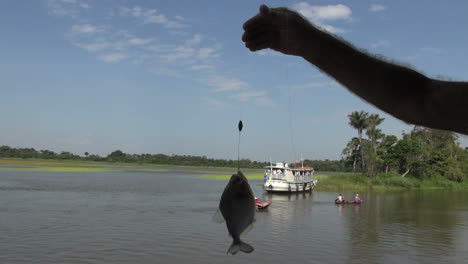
pixel 166 217
pixel 419 224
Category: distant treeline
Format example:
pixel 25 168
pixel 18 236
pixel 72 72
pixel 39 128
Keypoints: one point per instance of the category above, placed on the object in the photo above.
pixel 422 153
pixel 184 160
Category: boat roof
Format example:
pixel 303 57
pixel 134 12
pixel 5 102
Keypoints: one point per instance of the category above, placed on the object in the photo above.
pixel 289 168
pixel 302 168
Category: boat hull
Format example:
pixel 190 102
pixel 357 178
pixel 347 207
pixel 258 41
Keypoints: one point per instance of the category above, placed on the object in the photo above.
pixel 272 186
pixel 347 202
pixel 263 205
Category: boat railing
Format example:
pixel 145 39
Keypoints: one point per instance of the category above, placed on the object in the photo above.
pixel 278 177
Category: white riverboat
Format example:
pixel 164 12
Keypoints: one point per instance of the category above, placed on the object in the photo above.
pixel 282 178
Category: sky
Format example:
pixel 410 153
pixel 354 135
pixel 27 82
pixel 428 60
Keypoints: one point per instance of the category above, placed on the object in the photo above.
pixel 174 77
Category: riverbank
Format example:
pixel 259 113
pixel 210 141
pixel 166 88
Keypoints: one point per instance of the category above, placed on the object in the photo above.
pixel 97 166
pixel 356 182
pixel 328 181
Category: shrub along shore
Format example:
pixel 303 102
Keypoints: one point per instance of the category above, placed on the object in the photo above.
pixel 357 182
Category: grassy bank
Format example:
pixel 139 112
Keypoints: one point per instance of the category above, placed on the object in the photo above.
pixel 65 163
pixel 95 166
pixel 342 182
pixel 250 176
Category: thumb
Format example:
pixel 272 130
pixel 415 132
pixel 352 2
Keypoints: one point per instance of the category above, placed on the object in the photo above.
pixel 264 10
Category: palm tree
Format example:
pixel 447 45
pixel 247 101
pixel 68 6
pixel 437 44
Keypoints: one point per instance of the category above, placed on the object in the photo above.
pixel 374 134
pixel 358 120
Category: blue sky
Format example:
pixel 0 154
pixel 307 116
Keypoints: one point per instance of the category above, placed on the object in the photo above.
pixel 173 77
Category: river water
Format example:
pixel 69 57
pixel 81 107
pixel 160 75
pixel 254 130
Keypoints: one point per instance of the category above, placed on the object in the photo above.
pixel 143 217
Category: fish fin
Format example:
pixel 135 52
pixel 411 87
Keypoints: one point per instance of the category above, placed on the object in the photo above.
pixel 240 245
pixel 247 229
pixel 218 217
pixel 246 248
pixel 234 248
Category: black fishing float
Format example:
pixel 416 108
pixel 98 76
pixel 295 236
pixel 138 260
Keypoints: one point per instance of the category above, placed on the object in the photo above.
pixel 239 126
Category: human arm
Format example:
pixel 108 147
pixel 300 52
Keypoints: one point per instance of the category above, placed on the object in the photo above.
pixel 397 90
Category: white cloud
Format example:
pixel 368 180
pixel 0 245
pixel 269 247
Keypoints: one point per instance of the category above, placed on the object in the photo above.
pixel 166 72
pixel 160 48
pixel 152 16
pixel 223 84
pixel 67 7
pixel 113 57
pixel 139 41
pixel 264 101
pixel 188 51
pixel 202 67
pixel 331 28
pixel 319 14
pixel 247 95
pixel 312 85
pixel 93 47
pixel 85 28
pixel 195 40
pixel 213 103
pixel 377 8
pixel 322 13
pixel 179 52
pixel 204 53
pixel 260 98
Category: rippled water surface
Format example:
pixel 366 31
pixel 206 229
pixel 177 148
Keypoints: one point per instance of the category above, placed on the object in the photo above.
pixel 137 217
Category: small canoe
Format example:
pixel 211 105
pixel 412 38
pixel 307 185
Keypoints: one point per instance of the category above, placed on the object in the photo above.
pixel 263 205
pixel 347 202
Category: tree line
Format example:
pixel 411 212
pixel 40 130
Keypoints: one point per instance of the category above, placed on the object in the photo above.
pixel 421 153
pixel 159 159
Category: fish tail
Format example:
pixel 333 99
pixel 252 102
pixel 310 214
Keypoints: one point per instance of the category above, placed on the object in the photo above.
pixel 240 245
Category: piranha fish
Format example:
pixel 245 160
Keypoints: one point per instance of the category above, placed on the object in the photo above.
pixel 237 206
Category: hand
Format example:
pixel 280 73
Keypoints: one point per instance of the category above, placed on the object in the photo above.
pixel 279 29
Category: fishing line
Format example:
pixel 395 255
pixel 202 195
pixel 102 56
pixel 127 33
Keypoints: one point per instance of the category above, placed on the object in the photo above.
pixel 290 110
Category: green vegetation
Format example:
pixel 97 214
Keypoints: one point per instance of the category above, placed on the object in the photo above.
pixel 358 182
pixel 70 166
pixel 62 169
pixel 148 170
pixel 423 156
pixel 120 158
pixel 249 176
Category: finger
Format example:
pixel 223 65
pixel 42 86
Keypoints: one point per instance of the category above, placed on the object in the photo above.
pixel 264 11
pixel 261 42
pixel 258 46
pixel 252 34
pixel 253 22
pixel 266 37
